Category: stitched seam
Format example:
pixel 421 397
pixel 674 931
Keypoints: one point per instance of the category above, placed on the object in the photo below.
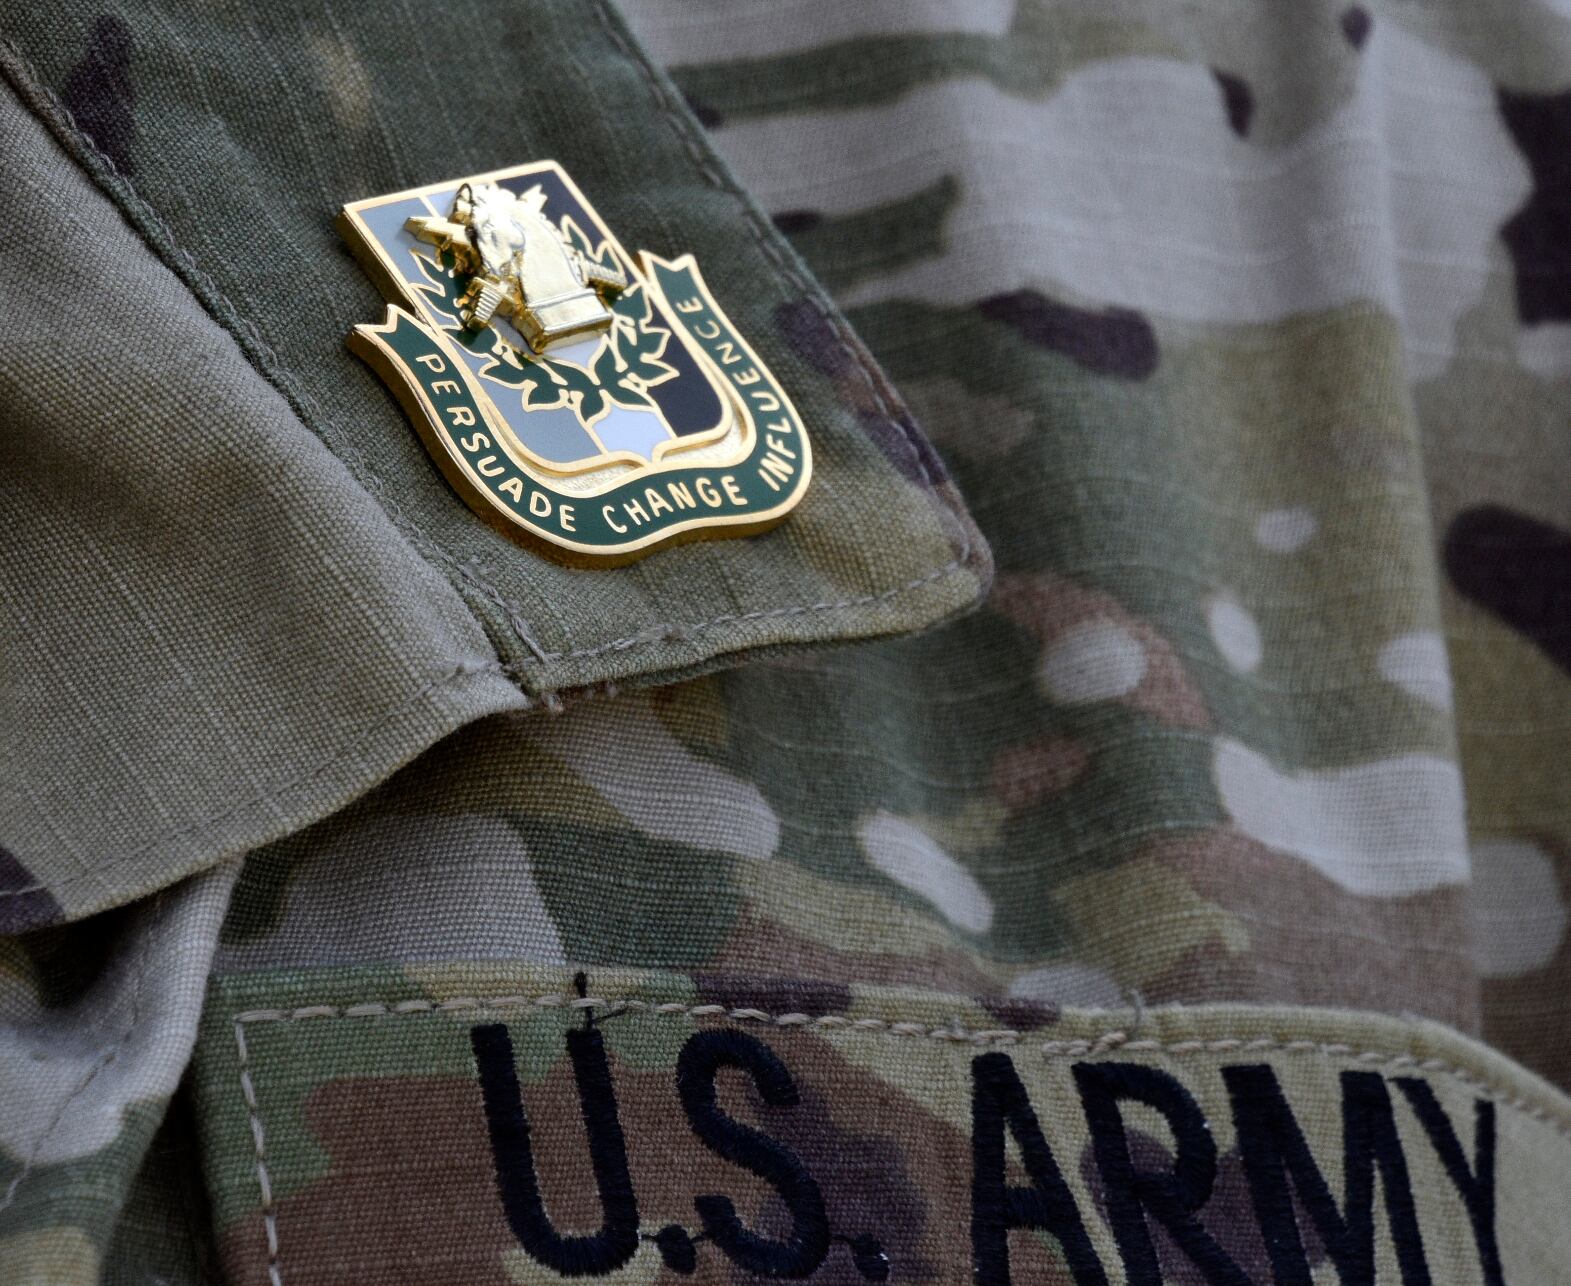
pixel 275 1275
pixel 953 1033
pixel 37 96
pixel 272 792
pixel 676 633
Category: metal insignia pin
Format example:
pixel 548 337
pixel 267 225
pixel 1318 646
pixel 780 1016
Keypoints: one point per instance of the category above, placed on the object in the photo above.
pixel 600 403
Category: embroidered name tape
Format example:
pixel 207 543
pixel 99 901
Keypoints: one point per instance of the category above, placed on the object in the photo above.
pixel 531 1138
pixel 598 402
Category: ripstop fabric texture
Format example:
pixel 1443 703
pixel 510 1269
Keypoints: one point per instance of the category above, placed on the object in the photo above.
pixel 1164 679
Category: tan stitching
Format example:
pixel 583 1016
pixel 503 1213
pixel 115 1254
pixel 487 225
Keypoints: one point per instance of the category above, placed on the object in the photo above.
pixel 259 1146
pixel 952 1033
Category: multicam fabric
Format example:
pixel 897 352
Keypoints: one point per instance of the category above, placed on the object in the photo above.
pixel 1245 337
pixel 875 1140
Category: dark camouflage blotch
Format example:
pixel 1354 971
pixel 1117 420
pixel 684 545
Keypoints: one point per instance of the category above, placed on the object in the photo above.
pixel 1356 24
pixel 1238 100
pixel 707 116
pixel 1538 236
pixel 775 995
pixel 62 961
pixel 1018 1014
pixel 793 221
pixel 1113 341
pixel 1520 569
pixel 100 95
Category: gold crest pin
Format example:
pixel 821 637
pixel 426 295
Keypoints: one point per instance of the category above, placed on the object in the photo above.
pixel 599 403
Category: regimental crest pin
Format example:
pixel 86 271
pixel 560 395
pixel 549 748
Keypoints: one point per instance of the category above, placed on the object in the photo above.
pixel 599 403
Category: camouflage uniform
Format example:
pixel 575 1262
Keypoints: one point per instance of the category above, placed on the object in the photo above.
pixel 1122 873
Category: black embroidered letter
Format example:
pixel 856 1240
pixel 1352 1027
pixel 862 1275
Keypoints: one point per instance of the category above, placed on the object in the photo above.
pixel 705 1053
pixel 1475 1184
pixel 999 1102
pixel 1171 1198
pixel 617 1240
pixel 1273 1147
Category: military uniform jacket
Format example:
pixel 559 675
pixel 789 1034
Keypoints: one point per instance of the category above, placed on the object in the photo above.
pixel 1095 810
